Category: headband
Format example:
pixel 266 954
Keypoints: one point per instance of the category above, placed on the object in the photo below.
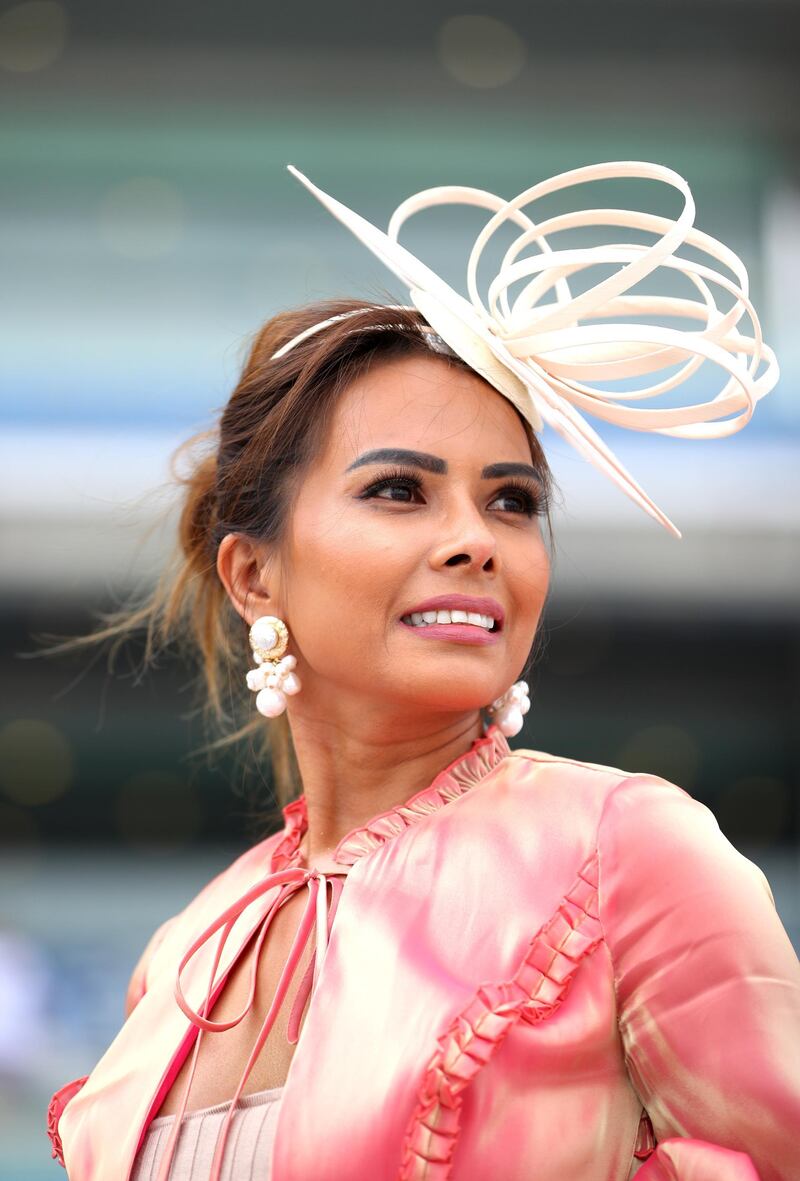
pixel 545 348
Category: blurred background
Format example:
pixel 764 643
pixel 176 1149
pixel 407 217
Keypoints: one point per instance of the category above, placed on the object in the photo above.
pixel 148 226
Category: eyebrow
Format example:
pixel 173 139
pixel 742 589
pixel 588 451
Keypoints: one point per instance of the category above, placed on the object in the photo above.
pixel 432 463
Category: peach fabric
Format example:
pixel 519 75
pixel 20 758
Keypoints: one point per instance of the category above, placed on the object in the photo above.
pixel 538 968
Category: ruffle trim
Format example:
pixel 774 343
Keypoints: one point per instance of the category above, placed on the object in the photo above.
pixel 534 992
pixel 295 824
pixel 54 1112
pixel 457 778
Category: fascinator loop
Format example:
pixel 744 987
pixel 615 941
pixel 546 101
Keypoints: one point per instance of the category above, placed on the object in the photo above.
pixel 551 351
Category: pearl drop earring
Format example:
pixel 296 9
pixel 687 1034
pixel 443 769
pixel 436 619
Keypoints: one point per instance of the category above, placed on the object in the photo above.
pixel 508 711
pixel 275 679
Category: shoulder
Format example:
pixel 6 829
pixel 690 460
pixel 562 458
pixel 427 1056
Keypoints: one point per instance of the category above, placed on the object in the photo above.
pixel 596 803
pixel 639 816
pixel 655 839
pixel 137 986
pixel 598 780
pixel 539 759
pixel 614 784
pixel 179 929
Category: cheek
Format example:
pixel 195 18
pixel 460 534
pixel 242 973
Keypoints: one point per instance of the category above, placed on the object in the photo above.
pixel 528 580
pixel 345 572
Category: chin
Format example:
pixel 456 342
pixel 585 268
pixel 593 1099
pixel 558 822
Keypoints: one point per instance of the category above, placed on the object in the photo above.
pixel 452 698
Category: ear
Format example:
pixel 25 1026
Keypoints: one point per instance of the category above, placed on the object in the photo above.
pixel 247 571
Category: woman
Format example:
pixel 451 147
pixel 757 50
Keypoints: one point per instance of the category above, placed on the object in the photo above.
pixel 453 960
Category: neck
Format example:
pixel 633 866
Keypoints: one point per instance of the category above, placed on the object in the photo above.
pixel 351 774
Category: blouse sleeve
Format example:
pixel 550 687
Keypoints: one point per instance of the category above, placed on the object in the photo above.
pixel 707 983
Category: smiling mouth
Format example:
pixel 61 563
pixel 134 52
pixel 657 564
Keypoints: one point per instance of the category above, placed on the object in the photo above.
pixel 428 618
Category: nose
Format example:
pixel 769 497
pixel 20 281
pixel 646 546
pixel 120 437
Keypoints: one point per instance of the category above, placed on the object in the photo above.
pixel 465 540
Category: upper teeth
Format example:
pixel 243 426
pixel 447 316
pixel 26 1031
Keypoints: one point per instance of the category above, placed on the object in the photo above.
pixel 423 618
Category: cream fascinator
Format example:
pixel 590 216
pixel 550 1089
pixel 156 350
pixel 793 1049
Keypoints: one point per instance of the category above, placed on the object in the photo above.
pixel 545 348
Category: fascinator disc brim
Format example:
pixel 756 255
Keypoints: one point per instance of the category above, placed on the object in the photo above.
pixel 545 349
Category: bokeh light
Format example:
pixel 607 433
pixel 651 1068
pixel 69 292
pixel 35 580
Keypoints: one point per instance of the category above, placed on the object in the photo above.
pixel 481 51
pixel 36 763
pixel 142 217
pixel 32 35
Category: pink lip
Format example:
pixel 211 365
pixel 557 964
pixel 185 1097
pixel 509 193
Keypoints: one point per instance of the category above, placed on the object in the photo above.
pixel 460 633
pixel 481 606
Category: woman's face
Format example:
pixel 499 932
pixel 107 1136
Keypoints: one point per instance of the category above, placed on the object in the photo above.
pixel 424 491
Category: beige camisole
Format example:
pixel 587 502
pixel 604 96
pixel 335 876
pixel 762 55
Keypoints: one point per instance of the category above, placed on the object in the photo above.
pixel 247 1152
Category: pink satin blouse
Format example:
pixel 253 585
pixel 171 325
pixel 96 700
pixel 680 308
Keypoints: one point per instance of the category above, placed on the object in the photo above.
pixel 535 967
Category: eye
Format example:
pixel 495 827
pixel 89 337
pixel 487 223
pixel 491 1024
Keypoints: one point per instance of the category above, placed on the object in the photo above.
pixel 523 497
pixel 399 487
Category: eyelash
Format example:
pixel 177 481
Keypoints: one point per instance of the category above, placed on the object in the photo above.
pixel 531 496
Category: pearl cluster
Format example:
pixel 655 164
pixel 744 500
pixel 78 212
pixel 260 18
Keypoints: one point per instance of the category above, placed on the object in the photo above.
pixel 274 679
pixel 509 710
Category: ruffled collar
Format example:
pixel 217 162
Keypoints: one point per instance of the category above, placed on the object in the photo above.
pixel 457 778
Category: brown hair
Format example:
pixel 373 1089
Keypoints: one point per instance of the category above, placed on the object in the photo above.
pixel 239 480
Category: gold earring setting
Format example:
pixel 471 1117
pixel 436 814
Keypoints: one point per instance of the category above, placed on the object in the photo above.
pixel 274 678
